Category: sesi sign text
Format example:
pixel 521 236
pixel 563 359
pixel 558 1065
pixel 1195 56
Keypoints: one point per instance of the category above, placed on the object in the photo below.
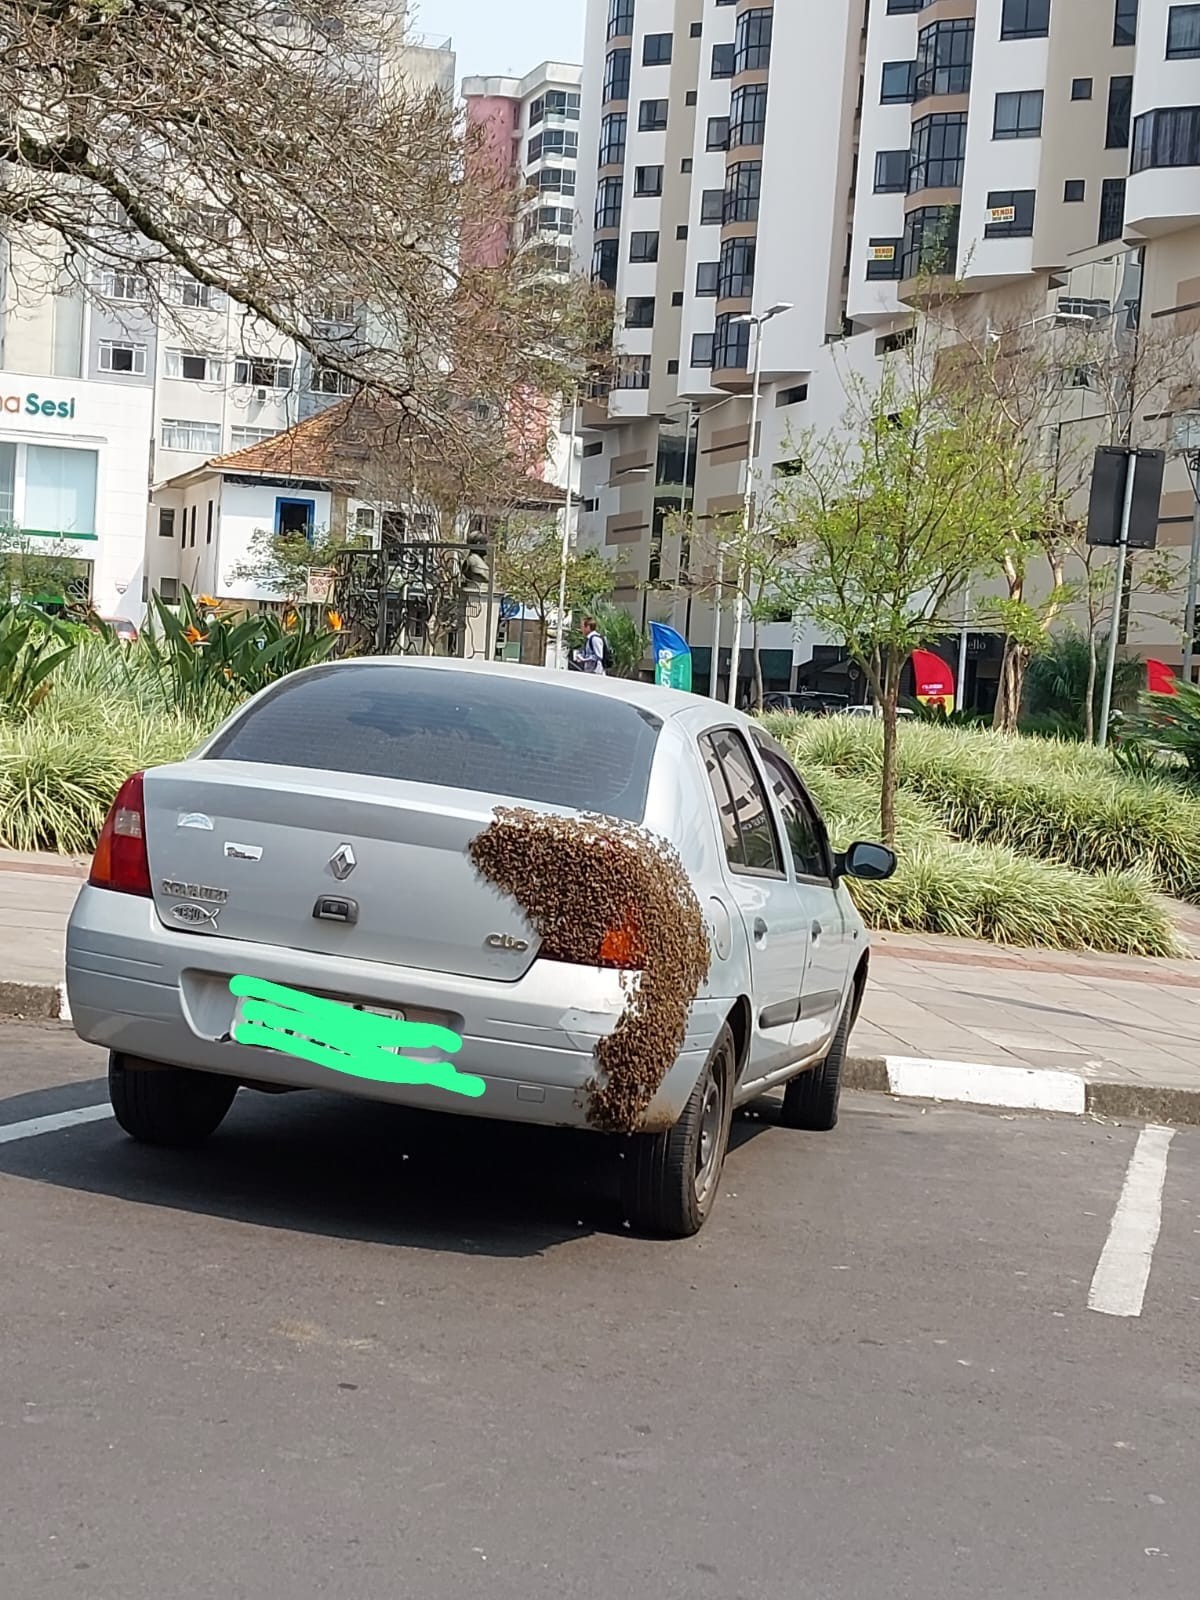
pixel 34 406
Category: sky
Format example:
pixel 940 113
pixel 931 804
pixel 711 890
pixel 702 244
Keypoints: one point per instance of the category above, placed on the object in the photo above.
pixel 505 37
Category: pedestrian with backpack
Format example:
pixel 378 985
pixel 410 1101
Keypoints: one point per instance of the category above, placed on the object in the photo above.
pixel 594 656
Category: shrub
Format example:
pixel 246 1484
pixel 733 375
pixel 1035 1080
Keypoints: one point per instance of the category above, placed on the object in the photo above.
pixel 1169 725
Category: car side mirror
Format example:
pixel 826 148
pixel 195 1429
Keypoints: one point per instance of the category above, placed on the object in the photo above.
pixel 873 863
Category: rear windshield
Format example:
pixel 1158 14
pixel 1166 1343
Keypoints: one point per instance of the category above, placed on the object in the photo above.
pixel 524 739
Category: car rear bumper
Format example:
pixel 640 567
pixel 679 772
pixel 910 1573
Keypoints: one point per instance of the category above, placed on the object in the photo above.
pixel 138 987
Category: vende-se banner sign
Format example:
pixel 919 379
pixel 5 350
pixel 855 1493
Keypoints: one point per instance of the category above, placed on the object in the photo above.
pixel 32 405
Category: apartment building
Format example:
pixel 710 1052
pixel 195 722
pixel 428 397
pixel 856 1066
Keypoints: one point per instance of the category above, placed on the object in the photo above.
pixel 760 160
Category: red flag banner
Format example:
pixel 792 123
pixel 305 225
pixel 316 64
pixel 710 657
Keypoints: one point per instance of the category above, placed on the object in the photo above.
pixel 934 680
pixel 1159 678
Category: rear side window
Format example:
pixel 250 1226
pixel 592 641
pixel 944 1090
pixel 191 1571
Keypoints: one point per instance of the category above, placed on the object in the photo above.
pixel 465 730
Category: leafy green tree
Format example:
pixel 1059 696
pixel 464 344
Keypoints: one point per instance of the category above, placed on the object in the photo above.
pixel 625 639
pixel 529 568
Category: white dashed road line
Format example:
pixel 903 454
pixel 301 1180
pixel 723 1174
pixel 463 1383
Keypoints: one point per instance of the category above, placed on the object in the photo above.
pixel 1119 1285
pixel 52 1124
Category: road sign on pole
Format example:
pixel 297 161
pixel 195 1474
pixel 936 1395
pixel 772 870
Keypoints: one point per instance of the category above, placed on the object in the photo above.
pixel 1110 503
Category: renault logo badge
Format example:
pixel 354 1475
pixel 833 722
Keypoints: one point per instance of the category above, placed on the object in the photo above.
pixel 342 862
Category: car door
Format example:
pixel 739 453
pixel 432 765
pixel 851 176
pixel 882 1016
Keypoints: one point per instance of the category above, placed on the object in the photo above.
pixel 827 963
pixel 767 898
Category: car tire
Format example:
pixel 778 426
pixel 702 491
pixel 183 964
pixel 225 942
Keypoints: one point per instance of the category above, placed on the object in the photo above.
pixel 170 1106
pixel 811 1101
pixel 671 1179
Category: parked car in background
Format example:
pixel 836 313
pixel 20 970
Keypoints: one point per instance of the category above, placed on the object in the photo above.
pixel 319 841
pixel 806 702
pixel 123 628
pixel 874 711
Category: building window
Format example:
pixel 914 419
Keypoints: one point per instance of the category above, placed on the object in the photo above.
pixel 939 144
pixel 648 180
pixel 902 8
pixel 263 372
pixel 1183 33
pixel 1112 210
pixel 943 64
pixel 605 262
pixel 202 438
pixel 930 241
pixel 118 357
pixel 743 191
pixel 1125 19
pixel 639 311
pixel 792 396
pixel 242 438
pixel 1120 108
pixel 1081 88
pixel 1074 190
pixel 556 180
pixel 883 259
pixel 125 286
pixel 60 490
pixel 712 205
pixel 891 171
pixel 208 525
pixel 707 273
pixel 193 365
pixel 748 116
pixel 633 372
pixel 656 50
pixel 616 76
pixel 612 139
pixel 1168 137
pixel 168 591
pixel 610 193
pixel 554 142
pixel 702 350
pixel 717 134
pixel 324 380
pixel 735 276
pixel 1025 19
pixel 652 116
pixel 166 522
pixel 722 61
pixel 752 47
pixel 731 344
pixel 1010 214
pixel 1018 115
pixel 896 86
pixel 186 291
pixel 620 18
pixel 643 246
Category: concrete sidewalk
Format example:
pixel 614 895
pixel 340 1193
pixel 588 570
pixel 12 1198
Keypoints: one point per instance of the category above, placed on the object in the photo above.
pixel 1127 1030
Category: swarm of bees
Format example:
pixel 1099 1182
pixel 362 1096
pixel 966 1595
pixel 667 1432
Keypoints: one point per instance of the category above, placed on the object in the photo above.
pixel 602 892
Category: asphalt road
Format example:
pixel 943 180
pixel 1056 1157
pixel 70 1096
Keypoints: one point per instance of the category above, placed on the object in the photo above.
pixel 351 1353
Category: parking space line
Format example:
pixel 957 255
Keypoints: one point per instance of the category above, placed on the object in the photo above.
pixel 52 1124
pixel 1123 1271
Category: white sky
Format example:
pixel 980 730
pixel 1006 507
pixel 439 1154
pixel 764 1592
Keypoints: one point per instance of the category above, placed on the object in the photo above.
pixel 504 36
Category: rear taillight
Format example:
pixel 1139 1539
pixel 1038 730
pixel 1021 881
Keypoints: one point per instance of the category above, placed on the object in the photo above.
pixel 620 946
pixel 121 862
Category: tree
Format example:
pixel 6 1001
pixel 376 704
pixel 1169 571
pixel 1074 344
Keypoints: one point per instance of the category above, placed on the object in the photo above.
pixel 283 561
pixel 529 566
pixel 626 641
pixel 163 157
pixel 887 519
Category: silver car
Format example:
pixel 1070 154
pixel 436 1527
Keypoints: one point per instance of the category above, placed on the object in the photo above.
pixel 318 841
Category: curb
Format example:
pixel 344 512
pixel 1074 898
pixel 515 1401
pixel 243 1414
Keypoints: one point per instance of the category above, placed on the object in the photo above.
pixel 1020 1088
pixel 34 1002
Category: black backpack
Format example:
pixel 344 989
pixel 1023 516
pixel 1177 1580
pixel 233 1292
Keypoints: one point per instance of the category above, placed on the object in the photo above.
pixel 606 655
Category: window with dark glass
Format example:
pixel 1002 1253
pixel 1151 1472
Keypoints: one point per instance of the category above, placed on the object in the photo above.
pixel 1112 210
pixel 748 115
pixel 939 145
pixel 632 372
pixel 712 205
pixel 752 46
pixel 643 246
pixel 805 835
pixel 702 350
pixel 930 241
pixel 722 61
pixel 731 343
pixel 1183 33
pixel 747 827
pixel 1120 109
pixel 1074 190
pixel 706 277
pixel 1025 19
pixel 639 311
pixel 656 50
pixel 883 258
pixel 605 260
pixel 891 171
pixel 717 134
pixel 743 191
pixel 616 76
pixel 1168 137
pixel 900 8
pixel 1010 214
pixel 652 116
pixel 609 194
pixel 1081 88
pixel 648 180
pixel 943 64
pixel 896 86
pixel 620 18
pixel 735 278
pixel 1125 20
pixel 612 139
pixel 1018 115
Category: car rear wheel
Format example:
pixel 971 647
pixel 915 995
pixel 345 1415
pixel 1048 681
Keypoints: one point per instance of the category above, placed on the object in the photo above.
pixel 811 1101
pixel 671 1179
pixel 170 1106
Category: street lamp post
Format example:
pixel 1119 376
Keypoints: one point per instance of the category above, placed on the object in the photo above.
pixel 565 561
pixel 757 324
pixel 1187 441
